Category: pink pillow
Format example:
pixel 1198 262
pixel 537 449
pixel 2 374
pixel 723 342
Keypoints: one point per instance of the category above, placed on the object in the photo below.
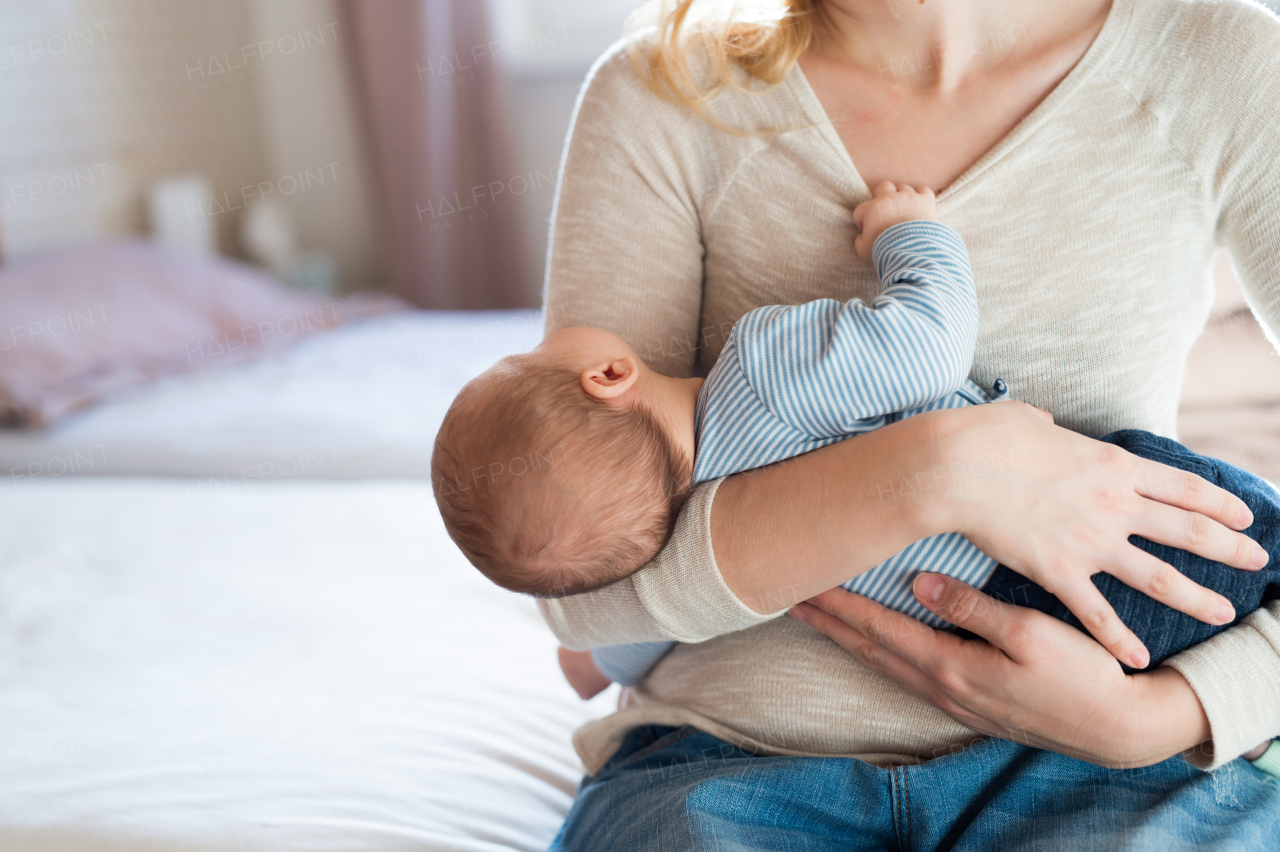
pixel 80 324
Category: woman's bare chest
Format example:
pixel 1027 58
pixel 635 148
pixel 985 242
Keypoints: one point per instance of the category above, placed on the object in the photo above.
pixel 920 145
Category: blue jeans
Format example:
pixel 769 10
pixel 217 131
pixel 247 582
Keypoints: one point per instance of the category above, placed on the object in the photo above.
pixel 676 789
pixel 1166 631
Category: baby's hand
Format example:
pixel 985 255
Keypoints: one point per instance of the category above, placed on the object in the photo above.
pixel 891 205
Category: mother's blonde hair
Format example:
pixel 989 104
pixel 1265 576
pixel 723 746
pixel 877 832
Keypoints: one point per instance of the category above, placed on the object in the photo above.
pixel 762 38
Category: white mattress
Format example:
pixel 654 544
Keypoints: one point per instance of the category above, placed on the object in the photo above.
pixel 360 401
pixel 287 666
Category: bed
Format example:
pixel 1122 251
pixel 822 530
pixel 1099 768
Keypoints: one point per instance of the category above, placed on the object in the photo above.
pixel 294 665
pixel 360 401
pixel 227 643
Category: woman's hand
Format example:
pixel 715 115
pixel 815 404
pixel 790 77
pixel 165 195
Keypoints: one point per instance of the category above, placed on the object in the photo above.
pixel 1035 680
pixel 1058 507
pixel 1053 505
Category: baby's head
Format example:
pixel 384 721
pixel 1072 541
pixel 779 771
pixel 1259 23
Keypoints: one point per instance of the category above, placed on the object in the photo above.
pixel 562 470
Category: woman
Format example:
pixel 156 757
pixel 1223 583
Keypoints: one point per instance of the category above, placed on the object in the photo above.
pixel 1093 155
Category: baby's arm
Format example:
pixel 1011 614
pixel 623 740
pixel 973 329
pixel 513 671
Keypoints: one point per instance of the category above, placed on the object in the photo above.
pixel 853 361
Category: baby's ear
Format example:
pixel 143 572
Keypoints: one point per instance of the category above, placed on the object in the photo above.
pixel 610 379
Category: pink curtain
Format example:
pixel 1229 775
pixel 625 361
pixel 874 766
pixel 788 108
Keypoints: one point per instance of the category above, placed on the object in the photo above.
pixel 432 94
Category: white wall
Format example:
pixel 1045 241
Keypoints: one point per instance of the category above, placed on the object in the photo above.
pixel 102 98
pixel 547 47
pixel 311 124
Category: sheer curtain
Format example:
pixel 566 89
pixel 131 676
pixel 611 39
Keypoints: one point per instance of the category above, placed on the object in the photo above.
pixel 432 93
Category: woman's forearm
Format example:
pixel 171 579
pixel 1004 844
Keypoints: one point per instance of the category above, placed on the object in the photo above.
pixel 1236 679
pixel 1050 504
pixel 1173 721
pixel 792 530
pixel 678 596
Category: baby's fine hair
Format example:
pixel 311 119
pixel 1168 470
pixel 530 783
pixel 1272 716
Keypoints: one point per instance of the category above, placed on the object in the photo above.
pixel 549 491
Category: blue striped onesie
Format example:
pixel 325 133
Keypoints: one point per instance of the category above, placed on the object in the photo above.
pixel 794 378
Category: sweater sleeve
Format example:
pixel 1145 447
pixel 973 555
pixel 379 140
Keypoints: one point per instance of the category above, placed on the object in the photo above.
pixel 626 255
pixel 679 596
pixel 626 249
pixel 823 366
pixel 1247 181
pixel 1236 675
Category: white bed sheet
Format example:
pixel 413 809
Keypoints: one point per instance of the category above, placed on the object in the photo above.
pixel 289 666
pixel 362 401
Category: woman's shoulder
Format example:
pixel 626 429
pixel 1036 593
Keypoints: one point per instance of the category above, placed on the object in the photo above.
pixel 616 89
pixel 1203 52
pixel 614 82
pixel 1207 72
pixel 1246 24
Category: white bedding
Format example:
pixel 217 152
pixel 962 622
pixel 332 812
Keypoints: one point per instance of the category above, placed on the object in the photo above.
pixel 360 401
pixel 285 666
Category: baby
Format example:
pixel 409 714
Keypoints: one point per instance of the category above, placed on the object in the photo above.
pixel 562 470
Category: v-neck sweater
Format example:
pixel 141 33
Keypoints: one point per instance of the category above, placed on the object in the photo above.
pixel 1090 227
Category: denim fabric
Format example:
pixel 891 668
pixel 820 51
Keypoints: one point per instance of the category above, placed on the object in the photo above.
pixel 680 789
pixel 1166 631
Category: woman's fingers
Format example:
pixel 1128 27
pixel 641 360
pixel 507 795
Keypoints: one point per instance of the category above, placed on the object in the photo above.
pixel 908 674
pixel 831 614
pixel 1185 490
pixel 1100 619
pixel 870 619
pixel 1158 579
pixel 901 634
pixel 1199 534
pixel 1005 626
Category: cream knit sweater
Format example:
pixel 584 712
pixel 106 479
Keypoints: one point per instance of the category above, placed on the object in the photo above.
pixel 1162 144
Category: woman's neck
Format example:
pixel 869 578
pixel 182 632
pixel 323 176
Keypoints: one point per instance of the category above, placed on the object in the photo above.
pixel 938 44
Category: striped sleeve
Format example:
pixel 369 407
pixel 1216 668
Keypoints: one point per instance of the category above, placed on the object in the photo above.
pixel 737 432
pixel 627 665
pixel 823 366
